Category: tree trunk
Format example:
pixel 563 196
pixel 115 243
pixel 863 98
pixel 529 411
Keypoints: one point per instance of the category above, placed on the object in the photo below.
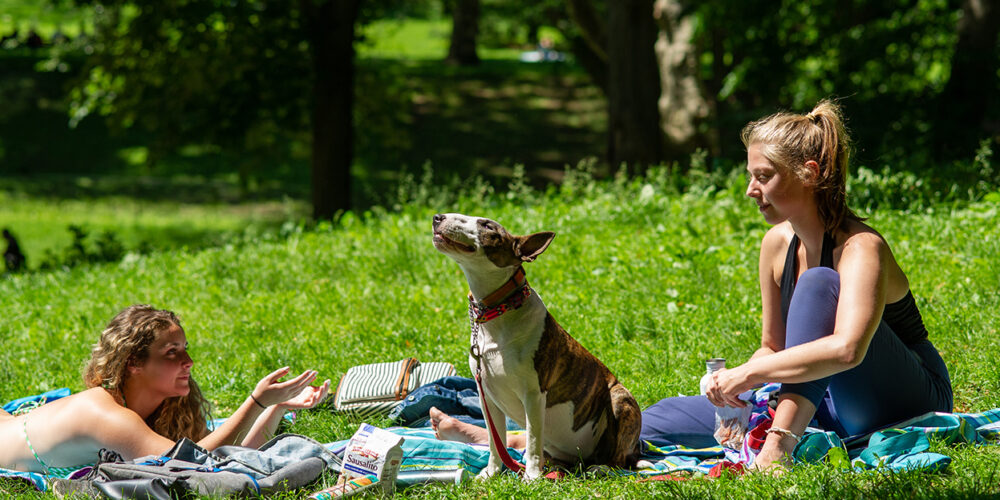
pixel 591 62
pixel 971 88
pixel 590 46
pixel 683 103
pixel 592 29
pixel 465 28
pixel 331 36
pixel 633 85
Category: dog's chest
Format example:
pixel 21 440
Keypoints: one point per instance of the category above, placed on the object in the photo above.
pixel 508 347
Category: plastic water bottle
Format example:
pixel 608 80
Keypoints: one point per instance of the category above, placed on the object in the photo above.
pixel 730 423
pixel 712 365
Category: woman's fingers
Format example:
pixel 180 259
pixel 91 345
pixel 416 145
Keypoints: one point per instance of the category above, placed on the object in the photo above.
pixel 303 380
pixel 276 374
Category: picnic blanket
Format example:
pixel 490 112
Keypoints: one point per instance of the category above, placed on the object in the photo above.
pixel 903 448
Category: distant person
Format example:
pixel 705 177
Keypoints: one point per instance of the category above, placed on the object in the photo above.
pixel 545 52
pixel 142 398
pixel 34 40
pixel 12 256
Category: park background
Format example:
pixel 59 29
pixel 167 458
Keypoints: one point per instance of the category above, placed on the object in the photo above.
pixel 268 169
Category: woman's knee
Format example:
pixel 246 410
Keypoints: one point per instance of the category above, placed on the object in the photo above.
pixel 813 309
pixel 819 280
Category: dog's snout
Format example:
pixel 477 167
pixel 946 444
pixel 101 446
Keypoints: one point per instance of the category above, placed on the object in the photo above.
pixel 438 219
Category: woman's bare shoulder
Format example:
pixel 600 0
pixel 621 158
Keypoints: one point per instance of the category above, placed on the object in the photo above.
pixel 863 238
pixel 92 407
pixel 776 239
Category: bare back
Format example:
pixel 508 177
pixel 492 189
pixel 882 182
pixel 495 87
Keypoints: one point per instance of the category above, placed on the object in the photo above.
pixel 70 431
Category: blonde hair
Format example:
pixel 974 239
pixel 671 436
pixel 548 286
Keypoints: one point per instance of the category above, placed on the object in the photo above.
pixel 789 140
pixel 126 341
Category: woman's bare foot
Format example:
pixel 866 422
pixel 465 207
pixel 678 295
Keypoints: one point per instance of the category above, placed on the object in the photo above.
pixel 450 428
pixel 776 454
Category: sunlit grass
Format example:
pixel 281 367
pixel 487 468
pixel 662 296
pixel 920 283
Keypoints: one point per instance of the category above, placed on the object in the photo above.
pixel 650 281
pixel 417 39
pixel 44 17
pixel 41 224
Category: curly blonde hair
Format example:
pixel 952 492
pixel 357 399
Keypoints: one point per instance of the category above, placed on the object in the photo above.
pixel 126 341
pixel 789 140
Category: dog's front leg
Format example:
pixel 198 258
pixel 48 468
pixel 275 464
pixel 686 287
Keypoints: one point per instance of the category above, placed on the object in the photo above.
pixel 495 464
pixel 534 409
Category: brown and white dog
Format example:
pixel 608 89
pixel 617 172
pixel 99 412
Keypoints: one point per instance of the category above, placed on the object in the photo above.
pixel 571 405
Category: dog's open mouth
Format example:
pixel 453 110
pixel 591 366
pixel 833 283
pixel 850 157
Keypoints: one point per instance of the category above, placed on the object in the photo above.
pixel 440 239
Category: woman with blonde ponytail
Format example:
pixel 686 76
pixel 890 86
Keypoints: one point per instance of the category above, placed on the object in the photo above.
pixel 841 330
pixel 141 399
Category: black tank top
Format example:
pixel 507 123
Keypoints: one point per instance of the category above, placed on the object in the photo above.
pixel 901 316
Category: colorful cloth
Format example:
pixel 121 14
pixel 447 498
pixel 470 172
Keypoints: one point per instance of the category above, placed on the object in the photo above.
pixel 899 449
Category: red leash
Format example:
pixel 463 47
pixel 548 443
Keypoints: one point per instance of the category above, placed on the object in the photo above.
pixel 510 296
pixel 501 443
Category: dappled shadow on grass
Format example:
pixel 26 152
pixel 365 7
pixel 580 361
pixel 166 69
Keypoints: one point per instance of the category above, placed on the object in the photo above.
pixel 485 119
pixel 173 188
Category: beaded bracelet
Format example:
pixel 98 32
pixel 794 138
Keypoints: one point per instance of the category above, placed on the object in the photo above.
pixel 258 402
pixel 784 432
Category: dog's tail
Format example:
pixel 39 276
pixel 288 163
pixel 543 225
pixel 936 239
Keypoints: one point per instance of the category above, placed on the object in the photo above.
pixel 628 419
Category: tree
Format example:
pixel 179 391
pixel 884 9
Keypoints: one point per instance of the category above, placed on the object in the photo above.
pixel 464 30
pixel 972 86
pixel 725 62
pixel 633 85
pixel 683 103
pixel 330 28
pixel 233 74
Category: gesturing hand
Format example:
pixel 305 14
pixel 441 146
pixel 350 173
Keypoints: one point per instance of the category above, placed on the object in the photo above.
pixel 292 393
pixel 308 398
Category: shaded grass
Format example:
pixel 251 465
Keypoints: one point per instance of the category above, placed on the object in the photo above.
pixel 41 224
pixel 650 281
pixel 411 108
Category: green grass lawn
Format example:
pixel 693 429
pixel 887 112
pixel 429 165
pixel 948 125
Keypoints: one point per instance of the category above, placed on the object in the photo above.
pixel 41 224
pixel 650 281
pixel 44 17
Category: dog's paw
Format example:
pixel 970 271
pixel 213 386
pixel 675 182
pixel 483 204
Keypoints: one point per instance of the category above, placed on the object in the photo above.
pixel 487 473
pixel 531 475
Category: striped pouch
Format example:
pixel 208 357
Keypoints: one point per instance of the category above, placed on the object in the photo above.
pixel 375 389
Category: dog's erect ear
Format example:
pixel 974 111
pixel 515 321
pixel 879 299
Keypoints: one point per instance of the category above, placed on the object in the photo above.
pixel 529 247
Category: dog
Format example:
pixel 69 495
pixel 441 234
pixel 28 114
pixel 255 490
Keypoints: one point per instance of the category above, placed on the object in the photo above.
pixel 570 404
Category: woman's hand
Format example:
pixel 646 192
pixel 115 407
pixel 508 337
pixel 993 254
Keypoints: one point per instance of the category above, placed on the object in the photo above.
pixel 292 393
pixel 308 398
pixel 725 386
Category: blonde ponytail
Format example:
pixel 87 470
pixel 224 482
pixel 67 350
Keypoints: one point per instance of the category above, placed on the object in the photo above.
pixel 790 140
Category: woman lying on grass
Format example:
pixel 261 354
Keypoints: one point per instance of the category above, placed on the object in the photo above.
pixel 841 330
pixel 141 399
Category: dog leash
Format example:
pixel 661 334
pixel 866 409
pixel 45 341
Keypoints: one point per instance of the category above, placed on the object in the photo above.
pixel 499 443
pixel 516 289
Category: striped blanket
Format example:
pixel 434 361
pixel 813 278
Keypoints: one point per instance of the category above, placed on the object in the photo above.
pixel 422 451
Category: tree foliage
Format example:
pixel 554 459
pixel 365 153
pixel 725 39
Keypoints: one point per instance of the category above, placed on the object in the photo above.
pixel 890 60
pixel 243 75
pixel 233 74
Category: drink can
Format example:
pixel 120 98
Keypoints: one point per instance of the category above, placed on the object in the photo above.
pixel 415 477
